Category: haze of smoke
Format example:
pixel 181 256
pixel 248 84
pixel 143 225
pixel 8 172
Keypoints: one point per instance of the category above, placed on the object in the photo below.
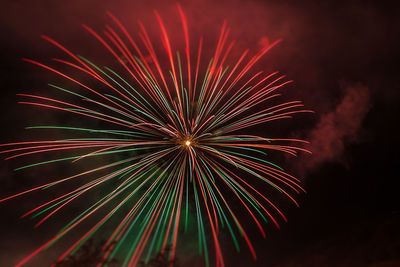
pixel 338 128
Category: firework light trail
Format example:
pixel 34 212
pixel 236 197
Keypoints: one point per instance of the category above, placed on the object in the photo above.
pixel 176 126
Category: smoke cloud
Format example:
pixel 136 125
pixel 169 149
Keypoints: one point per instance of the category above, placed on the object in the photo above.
pixel 337 128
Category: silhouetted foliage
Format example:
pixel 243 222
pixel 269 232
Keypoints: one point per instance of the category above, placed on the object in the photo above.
pixel 161 260
pixel 88 255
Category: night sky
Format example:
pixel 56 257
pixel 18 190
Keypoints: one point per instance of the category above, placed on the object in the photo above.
pixel 343 57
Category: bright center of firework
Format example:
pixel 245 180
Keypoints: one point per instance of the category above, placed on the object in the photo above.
pixel 187 143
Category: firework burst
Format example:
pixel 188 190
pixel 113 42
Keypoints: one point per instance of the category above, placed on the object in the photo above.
pixel 176 127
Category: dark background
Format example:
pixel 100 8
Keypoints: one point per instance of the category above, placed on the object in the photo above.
pixel 343 57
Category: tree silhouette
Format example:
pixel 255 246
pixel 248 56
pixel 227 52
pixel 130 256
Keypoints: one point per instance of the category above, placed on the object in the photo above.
pixel 161 260
pixel 91 254
pixel 88 255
